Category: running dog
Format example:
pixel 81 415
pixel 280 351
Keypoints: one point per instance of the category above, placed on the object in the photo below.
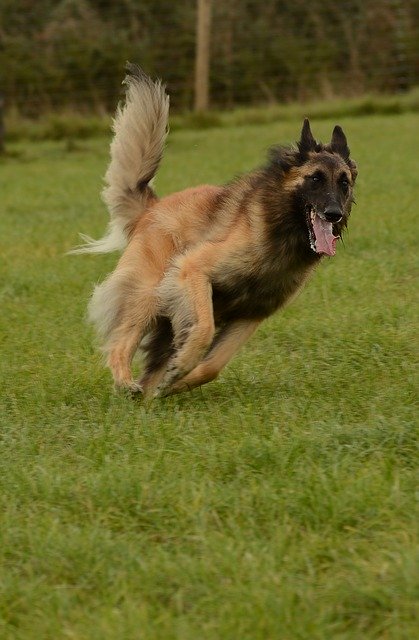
pixel 201 268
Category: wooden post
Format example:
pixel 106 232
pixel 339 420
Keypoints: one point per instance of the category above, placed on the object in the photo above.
pixel 202 60
pixel 2 146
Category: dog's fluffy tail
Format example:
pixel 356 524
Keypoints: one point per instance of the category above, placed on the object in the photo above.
pixel 140 127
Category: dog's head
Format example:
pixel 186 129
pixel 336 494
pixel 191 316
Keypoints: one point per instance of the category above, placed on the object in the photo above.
pixel 321 180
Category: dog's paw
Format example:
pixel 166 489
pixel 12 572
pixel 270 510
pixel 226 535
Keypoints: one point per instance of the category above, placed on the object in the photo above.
pixel 172 375
pixel 135 389
pixel 130 388
pixel 161 391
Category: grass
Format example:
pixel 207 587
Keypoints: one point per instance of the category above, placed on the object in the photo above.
pixel 279 502
pixel 71 126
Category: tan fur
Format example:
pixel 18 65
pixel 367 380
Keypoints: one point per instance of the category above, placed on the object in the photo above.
pixel 166 269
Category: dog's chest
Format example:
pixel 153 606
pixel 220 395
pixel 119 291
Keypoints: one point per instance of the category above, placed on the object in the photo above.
pixel 245 296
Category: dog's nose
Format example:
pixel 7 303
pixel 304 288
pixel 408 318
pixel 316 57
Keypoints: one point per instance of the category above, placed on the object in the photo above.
pixel 333 214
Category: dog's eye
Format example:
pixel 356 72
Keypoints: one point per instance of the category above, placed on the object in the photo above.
pixel 344 182
pixel 316 178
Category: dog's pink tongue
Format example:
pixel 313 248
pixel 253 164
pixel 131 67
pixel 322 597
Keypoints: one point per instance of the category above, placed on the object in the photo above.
pixel 325 240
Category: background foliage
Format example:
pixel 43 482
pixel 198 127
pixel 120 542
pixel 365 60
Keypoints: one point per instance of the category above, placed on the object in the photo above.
pixel 70 53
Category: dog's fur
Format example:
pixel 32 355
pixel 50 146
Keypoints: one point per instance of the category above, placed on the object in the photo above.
pixel 203 267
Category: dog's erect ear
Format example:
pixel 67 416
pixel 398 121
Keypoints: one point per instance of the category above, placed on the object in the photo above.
pixel 307 142
pixel 339 143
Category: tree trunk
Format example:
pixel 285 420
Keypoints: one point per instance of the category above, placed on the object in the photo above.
pixel 202 60
pixel 2 132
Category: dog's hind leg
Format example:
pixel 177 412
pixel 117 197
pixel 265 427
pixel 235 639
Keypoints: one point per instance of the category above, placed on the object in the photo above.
pixel 125 306
pixel 230 339
pixel 125 340
pixel 123 310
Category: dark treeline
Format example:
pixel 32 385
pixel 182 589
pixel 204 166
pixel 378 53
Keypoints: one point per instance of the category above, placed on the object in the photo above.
pixel 70 53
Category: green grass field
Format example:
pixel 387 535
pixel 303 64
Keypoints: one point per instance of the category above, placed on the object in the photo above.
pixel 275 503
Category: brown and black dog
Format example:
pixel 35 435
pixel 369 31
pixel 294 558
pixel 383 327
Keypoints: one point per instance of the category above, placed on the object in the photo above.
pixel 202 268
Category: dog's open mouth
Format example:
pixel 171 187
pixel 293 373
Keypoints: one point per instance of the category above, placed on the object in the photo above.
pixel 320 232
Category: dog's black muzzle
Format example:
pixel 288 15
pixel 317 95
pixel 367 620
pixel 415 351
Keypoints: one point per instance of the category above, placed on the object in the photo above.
pixel 333 214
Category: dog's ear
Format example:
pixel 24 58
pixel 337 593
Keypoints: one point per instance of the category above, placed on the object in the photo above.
pixel 307 142
pixel 339 143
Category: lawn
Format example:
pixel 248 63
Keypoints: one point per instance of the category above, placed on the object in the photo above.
pixel 277 503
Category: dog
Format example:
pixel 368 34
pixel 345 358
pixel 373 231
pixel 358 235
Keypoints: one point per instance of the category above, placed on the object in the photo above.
pixel 202 268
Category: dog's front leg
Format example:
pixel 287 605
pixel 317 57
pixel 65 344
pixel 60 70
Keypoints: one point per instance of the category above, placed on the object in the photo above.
pixel 186 293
